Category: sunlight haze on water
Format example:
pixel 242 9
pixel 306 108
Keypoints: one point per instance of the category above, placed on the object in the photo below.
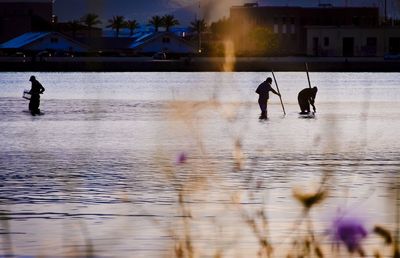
pixel 96 167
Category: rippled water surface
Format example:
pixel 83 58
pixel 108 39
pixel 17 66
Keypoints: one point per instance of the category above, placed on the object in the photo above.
pixel 98 171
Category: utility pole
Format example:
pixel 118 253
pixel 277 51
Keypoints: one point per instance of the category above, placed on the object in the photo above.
pixel 199 29
pixel 385 41
pixel 385 11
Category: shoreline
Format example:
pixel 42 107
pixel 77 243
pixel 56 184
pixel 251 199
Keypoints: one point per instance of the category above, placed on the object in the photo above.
pixel 199 64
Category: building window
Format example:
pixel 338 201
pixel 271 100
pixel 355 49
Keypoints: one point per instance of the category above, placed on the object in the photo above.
pixel 356 20
pixel 166 40
pixel 54 40
pixel 372 42
pixel 276 26
pixel 292 26
pixel 394 45
pixel 371 47
pixel 284 29
pixel 326 41
pixel 284 26
pixel 315 46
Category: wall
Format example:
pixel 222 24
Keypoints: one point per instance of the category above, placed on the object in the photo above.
pixel 360 35
pixel 55 42
pixel 160 44
pixel 19 18
pixel 284 19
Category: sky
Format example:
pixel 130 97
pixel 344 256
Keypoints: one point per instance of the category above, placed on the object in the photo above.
pixel 184 10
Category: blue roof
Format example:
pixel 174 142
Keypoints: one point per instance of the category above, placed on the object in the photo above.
pixel 145 36
pixel 24 39
pixel 149 36
pixel 143 29
pixel 142 39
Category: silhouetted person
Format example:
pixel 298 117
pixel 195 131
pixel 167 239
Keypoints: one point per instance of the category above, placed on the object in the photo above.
pixel 263 91
pixel 35 92
pixel 306 98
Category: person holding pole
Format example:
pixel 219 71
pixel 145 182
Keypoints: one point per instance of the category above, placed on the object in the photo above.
pixel 263 91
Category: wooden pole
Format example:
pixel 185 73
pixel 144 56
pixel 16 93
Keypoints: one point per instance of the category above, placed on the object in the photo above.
pixel 280 96
pixel 308 76
pixel 309 83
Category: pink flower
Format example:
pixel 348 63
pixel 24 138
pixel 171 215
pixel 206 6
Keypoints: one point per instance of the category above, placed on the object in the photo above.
pixel 350 231
pixel 181 158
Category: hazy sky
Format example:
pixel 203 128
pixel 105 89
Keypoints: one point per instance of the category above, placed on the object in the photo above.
pixel 184 10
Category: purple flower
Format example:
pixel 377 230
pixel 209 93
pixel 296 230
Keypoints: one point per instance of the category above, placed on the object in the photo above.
pixel 181 158
pixel 350 231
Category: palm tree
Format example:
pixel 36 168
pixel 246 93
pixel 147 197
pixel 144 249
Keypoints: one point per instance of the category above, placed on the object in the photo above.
pixel 132 25
pixel 90 20
pixel 116 23
pixel 198 26
pixel 157 22
pixel 169 21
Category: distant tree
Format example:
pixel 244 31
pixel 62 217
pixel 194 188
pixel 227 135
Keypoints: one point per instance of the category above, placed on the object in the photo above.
pixel 90 20
pixel 221 28
pixel 74 26
pixel 156 22
pixel 169 21
pixel 117 23
pixel 261 41
pixel 132 25
pixel 198 26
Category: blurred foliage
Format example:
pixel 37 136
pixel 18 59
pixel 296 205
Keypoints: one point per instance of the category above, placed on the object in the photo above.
pixel 221 29
pixel 260 41
pixel 249 41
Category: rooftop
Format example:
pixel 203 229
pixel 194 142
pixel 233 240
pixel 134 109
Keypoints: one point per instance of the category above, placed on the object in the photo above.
pixel 321 6
pixel 24 39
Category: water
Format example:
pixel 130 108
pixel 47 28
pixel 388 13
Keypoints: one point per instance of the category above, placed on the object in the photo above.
pixel 99 170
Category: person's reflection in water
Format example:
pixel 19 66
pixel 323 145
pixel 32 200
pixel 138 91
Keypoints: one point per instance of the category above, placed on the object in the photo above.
pixel 35 92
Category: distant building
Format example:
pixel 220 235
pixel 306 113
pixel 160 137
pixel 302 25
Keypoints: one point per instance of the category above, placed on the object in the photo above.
pixel 54 42
pixel 144 29
pixel 289 23
pixel 78 30
pixel 141 43
pixel 166 42
pixel 352 41
pixel 109 45
pixel 17 18
pixel 34 42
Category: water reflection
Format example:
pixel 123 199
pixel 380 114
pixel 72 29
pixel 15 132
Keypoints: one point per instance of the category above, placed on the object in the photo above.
pixel 98 171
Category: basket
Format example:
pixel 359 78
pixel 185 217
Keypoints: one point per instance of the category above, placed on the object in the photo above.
pixel 27 95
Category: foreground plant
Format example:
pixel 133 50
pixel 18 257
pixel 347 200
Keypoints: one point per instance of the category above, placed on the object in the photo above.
pixel 349 231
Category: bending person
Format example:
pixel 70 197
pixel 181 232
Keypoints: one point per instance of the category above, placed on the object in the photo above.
pixel 306 98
